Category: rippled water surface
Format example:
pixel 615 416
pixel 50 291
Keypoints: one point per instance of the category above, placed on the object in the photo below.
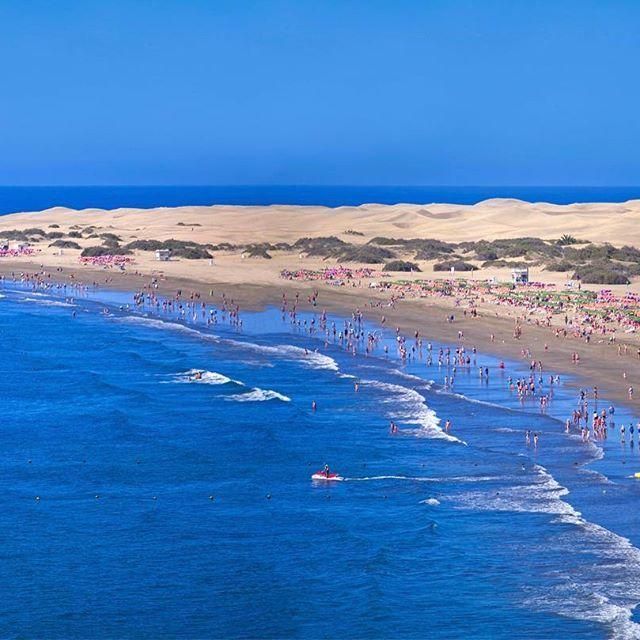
pixel 156 483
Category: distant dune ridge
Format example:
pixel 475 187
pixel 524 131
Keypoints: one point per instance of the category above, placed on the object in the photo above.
pixel 618 223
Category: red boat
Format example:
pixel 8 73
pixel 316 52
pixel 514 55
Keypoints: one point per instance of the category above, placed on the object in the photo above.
pixel 321 475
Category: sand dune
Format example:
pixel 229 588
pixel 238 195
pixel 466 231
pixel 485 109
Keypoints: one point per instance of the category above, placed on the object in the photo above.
pixel 618 223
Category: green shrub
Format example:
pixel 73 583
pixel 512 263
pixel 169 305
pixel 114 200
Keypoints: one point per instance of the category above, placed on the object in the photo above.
pixel 401 265
pixel 365 253
pixel 257 251
pixel 93 252
pixel 504 264
pixel 191 253
pixel 561 266
pixel 65 244
pixel 14 234
pixel 566 240
pixel 601 272
pixel 110 237
pixel 458 265
pixel 145 245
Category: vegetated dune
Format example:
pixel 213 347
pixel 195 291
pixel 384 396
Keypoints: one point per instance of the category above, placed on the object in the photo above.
pixel 618 223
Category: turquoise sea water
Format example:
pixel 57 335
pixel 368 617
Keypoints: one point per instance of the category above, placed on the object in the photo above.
pixel 139 502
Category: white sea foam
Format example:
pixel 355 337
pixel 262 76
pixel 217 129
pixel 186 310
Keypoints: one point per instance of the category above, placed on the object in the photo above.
pixel 440 479
pixel 391 477
pixel 312 359
pixel 259 395
pixel 410 408
pixel 604 591
pixel 432 502
pixel 461 396
pixel 206 377
pixel 48 303
pixel 166 324
pixel 543 495
pixel 409 376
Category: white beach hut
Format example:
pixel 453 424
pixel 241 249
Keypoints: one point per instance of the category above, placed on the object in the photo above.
pixel 520 276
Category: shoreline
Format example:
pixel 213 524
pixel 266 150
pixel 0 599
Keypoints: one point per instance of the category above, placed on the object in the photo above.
pixel 600 365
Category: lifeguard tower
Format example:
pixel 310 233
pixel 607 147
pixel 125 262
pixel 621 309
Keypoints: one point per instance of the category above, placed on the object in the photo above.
pixel 520 276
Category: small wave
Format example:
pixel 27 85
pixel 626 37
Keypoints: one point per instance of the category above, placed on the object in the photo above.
pixel 412 409
pixel 204 377
pixel 259 395
pixel 258 364
pixel 432 502
pixel 606 591
pixel 484 403
pixel 312 359
pixel 165 324
pixel 543 495
pixel 48 303
pixel 409 376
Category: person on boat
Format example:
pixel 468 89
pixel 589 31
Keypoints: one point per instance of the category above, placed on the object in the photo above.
pixel 326 472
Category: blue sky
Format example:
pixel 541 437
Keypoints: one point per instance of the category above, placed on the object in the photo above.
pixel 320 92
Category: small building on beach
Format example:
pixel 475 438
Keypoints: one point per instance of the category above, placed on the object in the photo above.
pixel 163 255
pixel 520 276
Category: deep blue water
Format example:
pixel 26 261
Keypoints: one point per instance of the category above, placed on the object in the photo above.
pixel 171 507
pixel 14 199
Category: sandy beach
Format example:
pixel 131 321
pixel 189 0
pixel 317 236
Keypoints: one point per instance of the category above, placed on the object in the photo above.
pixel 256 281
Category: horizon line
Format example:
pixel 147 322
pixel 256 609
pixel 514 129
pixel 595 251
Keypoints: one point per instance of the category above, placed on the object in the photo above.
pixel 333 185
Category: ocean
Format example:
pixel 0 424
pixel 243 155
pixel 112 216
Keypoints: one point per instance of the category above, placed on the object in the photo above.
pixel 17 199
pixel 140 500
